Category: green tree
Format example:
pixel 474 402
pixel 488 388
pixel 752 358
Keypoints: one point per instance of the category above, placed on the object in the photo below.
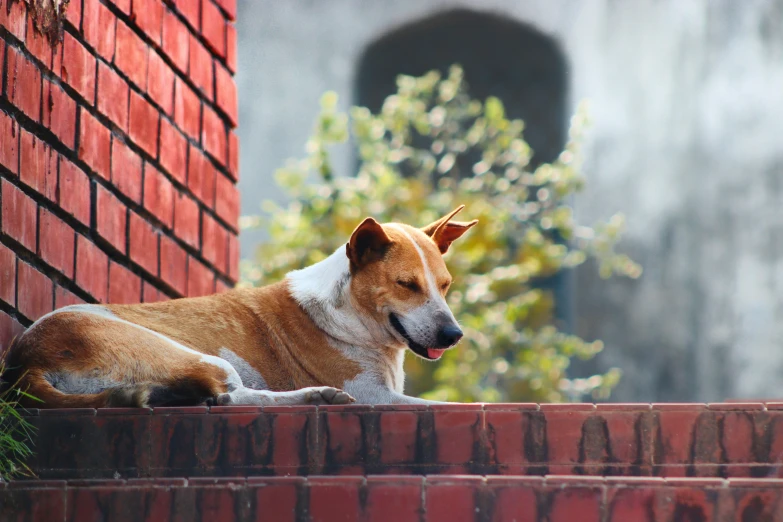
pixel 413 157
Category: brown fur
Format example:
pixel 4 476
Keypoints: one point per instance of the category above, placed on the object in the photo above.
pixel 264 326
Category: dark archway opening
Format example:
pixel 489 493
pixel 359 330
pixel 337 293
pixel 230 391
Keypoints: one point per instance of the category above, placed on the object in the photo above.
pixel 501 57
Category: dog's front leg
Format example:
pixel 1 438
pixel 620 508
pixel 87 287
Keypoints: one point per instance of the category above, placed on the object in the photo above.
pixel 374 394
pixel 315 396
pixel 399 398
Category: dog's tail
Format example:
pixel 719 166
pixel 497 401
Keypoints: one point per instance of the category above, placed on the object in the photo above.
pixel 40 393
pixel 35 391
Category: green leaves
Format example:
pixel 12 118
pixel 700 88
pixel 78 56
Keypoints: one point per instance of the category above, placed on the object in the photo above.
pixel 430 148
pixel 15 433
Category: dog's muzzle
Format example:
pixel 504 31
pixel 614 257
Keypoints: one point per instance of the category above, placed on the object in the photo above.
pixel 447 337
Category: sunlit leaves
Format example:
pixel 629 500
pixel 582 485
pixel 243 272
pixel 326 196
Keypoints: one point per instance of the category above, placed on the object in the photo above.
pixel 412 160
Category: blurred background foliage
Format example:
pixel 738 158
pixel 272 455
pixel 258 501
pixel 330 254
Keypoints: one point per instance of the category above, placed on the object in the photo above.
pixel 429 149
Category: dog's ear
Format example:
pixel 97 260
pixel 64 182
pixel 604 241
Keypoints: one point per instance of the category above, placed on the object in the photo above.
pixel 444 231
pixel 368 242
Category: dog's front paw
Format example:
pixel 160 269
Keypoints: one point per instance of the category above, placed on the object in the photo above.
pixel 327 395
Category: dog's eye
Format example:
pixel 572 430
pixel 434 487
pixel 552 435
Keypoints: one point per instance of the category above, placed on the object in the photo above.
pixel 413 286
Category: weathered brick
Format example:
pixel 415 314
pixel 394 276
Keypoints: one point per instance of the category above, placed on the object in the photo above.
pixel 100 28
pixel 394 499
pixel 143 244
pixel 143 127
pixel 74 191
pixel 113 96
pixel 214 135
pixel 186 220
pixel 201 177
pixel 233 155
pixel 231 48
pixel 233 257
pixel 187 109
pixel 576 503
pixel 214 246
pixel 37 297
pixel 111 218
pixel 73 13
pixel 149 294
pixel 59 113
pixel 201 67
pixel 7 275
pixel 226 95
pixel 160 83
pixel 173 265
pixel 227 201
pixel 201 280
pixel 124 285
pixel 149 17
pixel 95 144
pixel 78 68
pixel 176 41
pixel 38 45
pixel 131 55
pixel 456 432
pixel 9 143
pixel 230 8
pixel 158 195
pixel 63 297
pixel 191 11
pixel 337 498
pixel 126 170
pixel 2 60
pixel 38 166
pixel 123 5
pixel 173 151
pixel 13 17
pixel 19 214
pixel 92 269
pixel 213 27
pixel 57 60
pixel 24 84
pixel 56 243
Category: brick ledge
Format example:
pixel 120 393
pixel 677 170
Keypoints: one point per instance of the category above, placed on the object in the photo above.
pixel 402 499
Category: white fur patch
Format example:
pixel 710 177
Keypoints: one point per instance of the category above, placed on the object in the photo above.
pixel 431 284
pixel 322 290
pixel 251 378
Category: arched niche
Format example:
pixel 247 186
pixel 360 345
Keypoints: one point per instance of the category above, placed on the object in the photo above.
pixel 501 57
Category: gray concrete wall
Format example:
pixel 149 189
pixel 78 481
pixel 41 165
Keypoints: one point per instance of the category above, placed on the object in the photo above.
pixel 687 141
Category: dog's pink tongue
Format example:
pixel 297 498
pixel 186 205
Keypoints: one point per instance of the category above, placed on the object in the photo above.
pixel 434 353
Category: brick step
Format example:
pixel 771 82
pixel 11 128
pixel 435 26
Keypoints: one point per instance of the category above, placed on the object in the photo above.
pixel 715 440
pixel 396 498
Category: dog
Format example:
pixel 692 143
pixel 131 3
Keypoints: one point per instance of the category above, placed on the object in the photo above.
pixel 335 332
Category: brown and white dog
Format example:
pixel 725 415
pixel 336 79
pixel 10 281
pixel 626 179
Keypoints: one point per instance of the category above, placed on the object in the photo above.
pixel 331 333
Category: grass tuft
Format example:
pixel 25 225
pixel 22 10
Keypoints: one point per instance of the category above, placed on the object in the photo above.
pixel 16 432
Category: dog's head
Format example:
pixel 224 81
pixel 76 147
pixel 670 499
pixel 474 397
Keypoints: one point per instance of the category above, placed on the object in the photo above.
pixel 400 279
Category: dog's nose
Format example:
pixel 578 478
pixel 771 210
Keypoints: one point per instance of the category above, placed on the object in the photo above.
pixel 449 336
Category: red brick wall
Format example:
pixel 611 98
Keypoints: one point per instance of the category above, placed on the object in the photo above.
pixel 118 161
